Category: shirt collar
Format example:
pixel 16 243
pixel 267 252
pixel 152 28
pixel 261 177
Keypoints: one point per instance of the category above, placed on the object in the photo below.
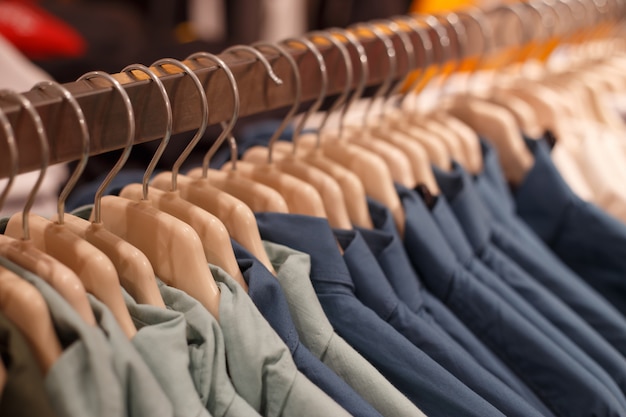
pixel 470 212
pixel 450 228
pixel 543 197
pixel 311 235
pixel 370 283
pixel 387 248
pixel 492 172
pixel 426 247
pixel 267 295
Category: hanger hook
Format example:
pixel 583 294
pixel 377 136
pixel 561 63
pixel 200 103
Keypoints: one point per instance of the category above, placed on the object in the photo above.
pixel 270 72
pixel 363 60
pixel 427 47
pixel 444 43
pixel 130 137
pixel 323 87
pixel 226 130
pixel 457 28
pixel 204 119
pixel 168 122
pixel 349 78
pixel 486 33
pixel 45 154
pixel 11 142
pixel 392 60
pixel 84 130
pixel 298 93
pixel 409 50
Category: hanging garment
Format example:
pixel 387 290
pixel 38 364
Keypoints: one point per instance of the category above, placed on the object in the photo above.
pixel 162 343
pixel 541 263
pixel 405 366
pixel 374 291
pixel 86 366
pixel 259 363
pixel 543 365
pixel 318 335
pixel 264 290
pixel 588 240
pixel 24 392
pixel 492 243
pixel 207 356
pixel 387 248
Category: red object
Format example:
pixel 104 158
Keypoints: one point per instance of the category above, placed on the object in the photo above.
pixel 38 34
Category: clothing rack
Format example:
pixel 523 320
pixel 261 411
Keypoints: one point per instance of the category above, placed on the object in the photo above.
pixel 103 108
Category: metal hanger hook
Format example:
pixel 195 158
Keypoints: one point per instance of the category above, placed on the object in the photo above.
pixel 204 120
pixel 11 142
pixel 45 154
pixel 226 130
pixel 130 137
pixel 298 93
pixel 86 142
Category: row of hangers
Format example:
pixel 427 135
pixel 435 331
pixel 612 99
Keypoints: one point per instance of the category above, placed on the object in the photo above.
pixel 173 224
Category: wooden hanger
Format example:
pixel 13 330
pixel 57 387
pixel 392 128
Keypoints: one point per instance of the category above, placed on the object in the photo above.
pixel 172 247
pixel 235 215
pixel 255 195
pixel 133 268
pixel 93 268
pixel 24 306
pixel 26 255
pixel 301 198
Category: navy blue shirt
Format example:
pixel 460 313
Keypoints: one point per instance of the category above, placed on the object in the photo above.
pixel 541 263
pixel 428 385
pixel 491 243
pixel 587 239
pixel 265 292
pixel 569 390
pixel 387 248
pixel 372 288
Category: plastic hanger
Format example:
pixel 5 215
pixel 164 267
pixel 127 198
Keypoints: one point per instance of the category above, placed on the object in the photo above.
pixel 172 247
pixel 301 197
pixel 210 230
pixel 235 215
pixel 259 197
pixel 92 266
pixel 133 268
pixel 24 253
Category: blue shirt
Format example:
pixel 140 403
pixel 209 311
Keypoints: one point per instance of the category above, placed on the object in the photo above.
pixel 588 240
pixel 492 243
pixel 267 295
pixel 372 288
pixel 433 389
pixel 567 389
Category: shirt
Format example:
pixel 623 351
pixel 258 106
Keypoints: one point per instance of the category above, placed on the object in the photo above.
pixel 433 389
pixel 588 240
pixel 293 271
pixel 85 365
pixel 142 394
pixel 491 243
pixel 23 393
pixel 207 356
pixel 568 390
pixel 542 264
pixel 372 288
pixel 264 290
pixel 259 363
pixel 162 343
pixel 387 247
